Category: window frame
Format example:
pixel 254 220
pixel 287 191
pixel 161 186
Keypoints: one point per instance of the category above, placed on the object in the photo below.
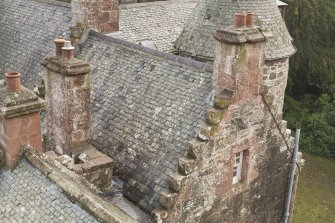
pixel 237 167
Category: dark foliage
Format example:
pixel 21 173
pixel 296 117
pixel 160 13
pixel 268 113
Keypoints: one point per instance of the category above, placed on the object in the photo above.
pixel 316 115
pixel 311 23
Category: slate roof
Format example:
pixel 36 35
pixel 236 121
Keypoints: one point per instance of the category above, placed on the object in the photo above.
pixel 161 22
pixel 145 106
pixel 29 196
pixel 197 40
pixel 27 31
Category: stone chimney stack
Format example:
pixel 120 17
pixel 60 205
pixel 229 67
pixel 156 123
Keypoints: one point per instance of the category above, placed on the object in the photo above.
pixel 67 93
pixel 99 15
pixel 239 59
pixel 20 118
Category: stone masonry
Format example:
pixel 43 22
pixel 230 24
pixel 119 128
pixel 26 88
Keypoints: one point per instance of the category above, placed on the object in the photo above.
pixel 68 120
pixel 203 189
pixel 99 15
pixel 20 119
pixel 196 40
pixel 177 129
pixel 67 82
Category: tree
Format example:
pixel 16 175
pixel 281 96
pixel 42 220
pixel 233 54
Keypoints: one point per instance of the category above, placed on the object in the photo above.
pixel 311 23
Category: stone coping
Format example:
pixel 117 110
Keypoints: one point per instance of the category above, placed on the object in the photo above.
pixel 163 55
pixel 77 191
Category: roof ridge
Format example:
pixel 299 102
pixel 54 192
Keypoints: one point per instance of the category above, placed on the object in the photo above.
pixel 155 3
pixel 55 2
pixel 163 55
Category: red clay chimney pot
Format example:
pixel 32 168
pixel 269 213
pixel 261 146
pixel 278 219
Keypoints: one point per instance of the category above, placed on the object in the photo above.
pixel 250 19
pixel 13 82
pixel 240 20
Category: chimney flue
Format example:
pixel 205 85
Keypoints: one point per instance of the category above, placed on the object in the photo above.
pixel 240 20
pixel 250 19
pixel 13 82
pixel 68 50
pixel 59 43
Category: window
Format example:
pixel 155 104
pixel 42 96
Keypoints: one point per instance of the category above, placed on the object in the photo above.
pixel 237 169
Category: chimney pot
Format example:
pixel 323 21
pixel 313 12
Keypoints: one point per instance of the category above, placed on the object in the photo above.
pixel 240 20
pixel 13 82
pixel 250 19
pixel 68 50
pixel 59 43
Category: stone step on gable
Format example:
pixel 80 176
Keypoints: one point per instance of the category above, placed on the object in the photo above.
pixel 167 199
pixel 186 166
pixel 195 149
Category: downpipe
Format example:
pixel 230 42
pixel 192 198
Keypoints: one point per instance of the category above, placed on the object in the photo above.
pixel 292 175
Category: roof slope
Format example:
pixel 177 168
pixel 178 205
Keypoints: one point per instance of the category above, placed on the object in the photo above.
pixel 27 31
pixel 146 105
pixel 197 39
pixel 29 196
pixel 161 22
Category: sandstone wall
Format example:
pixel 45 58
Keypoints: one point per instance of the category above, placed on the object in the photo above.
pixel 205 189
pixel 99 15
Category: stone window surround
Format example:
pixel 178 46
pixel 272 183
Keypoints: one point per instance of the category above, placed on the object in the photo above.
pixel 244 166
pixel 237 167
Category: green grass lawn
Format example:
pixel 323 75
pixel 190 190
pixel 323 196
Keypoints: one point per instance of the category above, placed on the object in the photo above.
pixel 315 201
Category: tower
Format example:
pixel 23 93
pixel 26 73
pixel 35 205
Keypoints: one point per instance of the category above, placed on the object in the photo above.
pixel 196 40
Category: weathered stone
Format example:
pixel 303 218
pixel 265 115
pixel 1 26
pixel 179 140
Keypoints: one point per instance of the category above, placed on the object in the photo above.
pixel 177 181
pixel 99 15
pixel 97 163
pixel 187 166
pixel 101 178
pixel 64 159
pixel 213 116
pixel 67 84
pixel 19 122
pixel 195 149
pixel 237 36
pixel 206 132
pixel 159 214
pixel 272 76
pixel 78 169
pixel 221 101
pixel 73 67
pixel 243 137
pixel 50 155
pixel 239 124
pixel 167 199
pixel 19 103
pixel 101 209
